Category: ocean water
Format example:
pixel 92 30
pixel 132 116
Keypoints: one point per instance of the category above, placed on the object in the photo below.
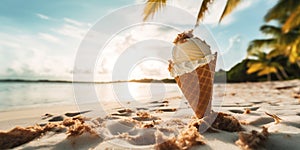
pixel 14 95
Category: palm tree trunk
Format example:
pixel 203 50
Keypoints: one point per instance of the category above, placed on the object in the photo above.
pixel 283 73
pixel 278 76
pixel 269 77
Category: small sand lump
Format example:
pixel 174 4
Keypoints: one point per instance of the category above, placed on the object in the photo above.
pixel 253 140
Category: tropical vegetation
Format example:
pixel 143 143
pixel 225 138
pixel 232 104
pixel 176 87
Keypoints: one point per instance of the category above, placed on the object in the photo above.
pixel 283 41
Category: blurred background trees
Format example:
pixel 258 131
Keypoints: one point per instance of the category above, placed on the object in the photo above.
pixel 280 53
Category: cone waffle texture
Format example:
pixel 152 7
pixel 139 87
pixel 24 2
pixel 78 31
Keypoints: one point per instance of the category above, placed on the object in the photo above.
pixel 197 87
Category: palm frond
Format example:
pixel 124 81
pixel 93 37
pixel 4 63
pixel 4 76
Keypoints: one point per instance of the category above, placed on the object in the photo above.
pixel 271 30
pixel 256 46
pixel 262 56
pixel 275 64
pixel 277 33
pixel 281 9
pixel 152 6
pixel 267 70
pixel 231 4
pixel 274 53
pixel 293 21
pixel 294 54
pixel 252 61
pixel 255 67
pixel 203 10
pixel 290 38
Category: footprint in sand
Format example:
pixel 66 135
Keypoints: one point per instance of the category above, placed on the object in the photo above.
pixel 141 108
pixel 76 113
pixel 119 127
pixel 109 117
pixel 144 137
pixel 123 112
pixel 253 108
pixel 154 102
pixel 56 119
pixel 128 131
pixel 159 103
pixel 61 118
pixel 134 129
pixel 261 121
pixel 165 110
pixel 46 116
pixel 236 111
pixel 245 111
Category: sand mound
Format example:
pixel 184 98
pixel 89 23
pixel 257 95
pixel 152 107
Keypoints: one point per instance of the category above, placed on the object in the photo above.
pixel 253 140
pixel 18 136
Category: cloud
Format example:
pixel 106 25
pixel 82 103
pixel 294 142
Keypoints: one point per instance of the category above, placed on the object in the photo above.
pixel 48 54
pixel 42 16
pixel 73 22
pixel 73 28
pixel 234 43
pixel 49 37
pixel 149 42
pixel 32 57
pixel 71 31
pixel 150 69
pixel 245 4
pixel 235 51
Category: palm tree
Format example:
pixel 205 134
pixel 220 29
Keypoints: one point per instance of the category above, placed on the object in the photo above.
pixel 280 43
pixel 284 36
pixel 287 12
pixel 153 6
pixel 263 65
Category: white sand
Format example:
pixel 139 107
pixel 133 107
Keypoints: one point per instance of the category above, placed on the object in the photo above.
pixel 127 129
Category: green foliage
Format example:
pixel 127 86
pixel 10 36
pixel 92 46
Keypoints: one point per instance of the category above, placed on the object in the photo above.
pixel 239 72
pixel 284 41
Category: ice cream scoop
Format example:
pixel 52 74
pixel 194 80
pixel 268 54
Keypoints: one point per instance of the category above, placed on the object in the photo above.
pixel 188 53
pixel 189 48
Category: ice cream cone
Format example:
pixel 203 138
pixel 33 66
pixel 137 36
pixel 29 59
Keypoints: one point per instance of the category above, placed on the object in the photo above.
pixel 197 87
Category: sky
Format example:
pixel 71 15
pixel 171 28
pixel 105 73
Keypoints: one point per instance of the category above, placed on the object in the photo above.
pixel 42 39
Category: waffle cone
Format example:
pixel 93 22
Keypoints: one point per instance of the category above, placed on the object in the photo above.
pixel 197 87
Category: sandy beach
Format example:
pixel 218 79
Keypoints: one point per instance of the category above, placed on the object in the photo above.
pixel 167 123
pixel 153 74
